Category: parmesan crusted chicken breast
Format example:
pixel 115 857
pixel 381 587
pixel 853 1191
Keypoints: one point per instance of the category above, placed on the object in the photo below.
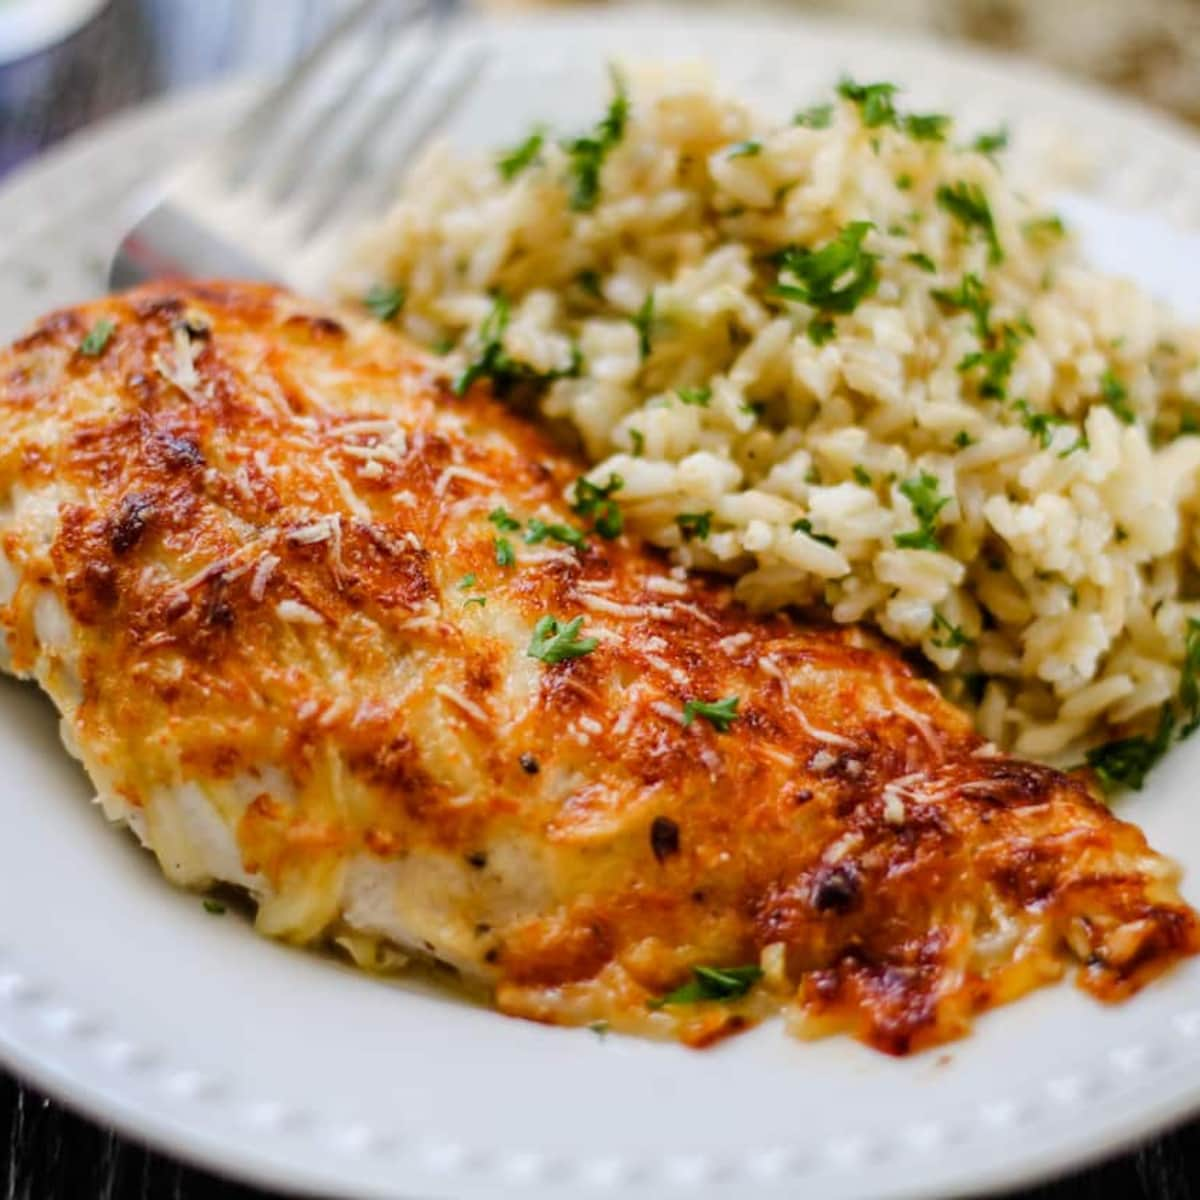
pixel 320 629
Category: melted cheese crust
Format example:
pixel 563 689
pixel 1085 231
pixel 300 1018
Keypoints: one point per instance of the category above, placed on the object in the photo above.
pixel 233 552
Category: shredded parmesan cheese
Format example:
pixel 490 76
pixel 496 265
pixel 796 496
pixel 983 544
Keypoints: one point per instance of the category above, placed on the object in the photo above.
pixel 297 613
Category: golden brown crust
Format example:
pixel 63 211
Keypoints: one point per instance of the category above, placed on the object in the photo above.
pixel 264 577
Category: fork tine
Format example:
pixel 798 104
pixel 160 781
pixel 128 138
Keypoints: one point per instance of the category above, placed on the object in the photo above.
pixel 247 140
pixel 312 149
pixel 345 173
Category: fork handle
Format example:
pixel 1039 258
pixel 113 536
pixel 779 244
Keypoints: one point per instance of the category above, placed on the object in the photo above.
pixel 167 243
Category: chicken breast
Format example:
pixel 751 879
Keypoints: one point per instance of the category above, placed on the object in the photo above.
pixel 321 630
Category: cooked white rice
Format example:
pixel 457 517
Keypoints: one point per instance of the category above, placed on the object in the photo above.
pixel 1058 570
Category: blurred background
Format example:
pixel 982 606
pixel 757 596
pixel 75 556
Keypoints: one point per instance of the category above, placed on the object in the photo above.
pixel 67 64
pixel 97 56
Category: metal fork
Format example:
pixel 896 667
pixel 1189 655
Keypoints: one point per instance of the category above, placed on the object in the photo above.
pixel 319 151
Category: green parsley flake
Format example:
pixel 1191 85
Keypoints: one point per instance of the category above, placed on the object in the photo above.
pixel 956 636
pixel 599 1028
pixel 1116 396
pixel 861 475
pixel 638 440
pixel 962 439
pixel 98 338
pixel 1039 425
pixel 554 642
pixel 511 163
pixel 539 530
pixel 834 278
pixel 1048 228
pixel 929 127
pixel 480 600
pixel 996 360
pixel 713 983
pixel 505 555
pixel 720 714
pixel 589 281
pixel 819 116
pixel 493 362
pixel 467 582
pixel 697 396
pixel 503 520
pixel 384 302
pixel 874 101
pixel 748 149
pixel 1189 680
pixel 587 153
pixel 970 296
pixel 595 500
pixel 1125 763
pixel 923 261
pixel 922 493
pixel 804 525
pixel 214 907
pixel 968 204
pixel 991 143
pixel 694 525
pixel 643 322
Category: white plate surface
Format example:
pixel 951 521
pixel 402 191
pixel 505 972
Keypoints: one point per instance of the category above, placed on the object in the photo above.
pixel 123 997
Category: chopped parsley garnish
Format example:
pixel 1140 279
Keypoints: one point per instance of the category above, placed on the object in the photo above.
pixel 969 206
pixel 720 714
pixel 503 520
pixel 904 181
pixel 595 500
pixel 480 600
pixel 589 281
pixel 962 439
pixel 505 555
pixel 861 475
pixel 1050 227
pixel 970 296
pixel 874 101
pixel 98 338
pixel 956 637
pixel 804 525
pixel 214 907
pixel 996 360
pixel 493 362
pixel 638 440
pixel 643 322
pixel 1126 762
pixel 694 525
pixel 467 582
pixel 835 278
pixel 554 642
pixel 922 493
pixel 384 302
pixel 712 983
pixel 697 396
pixel 991 143
pixel 1116 396
pixel 599 1028
pixel 821 330
pixel 747 149
pixel 921 260
pixel 929 127
pixel 1040 425
pixel 587 153
pixel 538 531
pixel 512 162
pixel 1189 679
pixel 819 116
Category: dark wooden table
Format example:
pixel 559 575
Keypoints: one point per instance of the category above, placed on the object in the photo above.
pixel 135 50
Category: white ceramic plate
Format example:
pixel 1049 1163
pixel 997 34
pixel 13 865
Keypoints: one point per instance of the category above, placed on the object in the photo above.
pixel 123 997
